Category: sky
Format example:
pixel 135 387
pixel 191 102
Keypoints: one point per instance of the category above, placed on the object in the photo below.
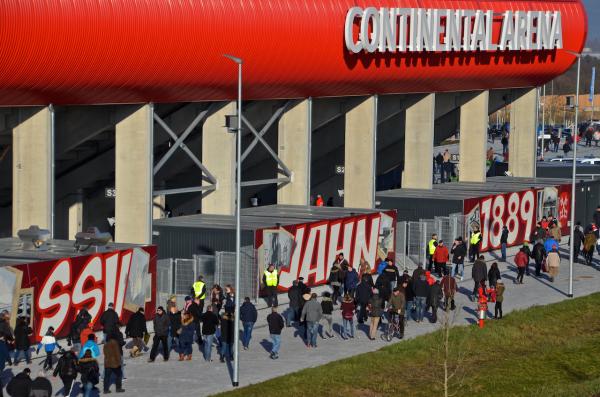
pixel 593 11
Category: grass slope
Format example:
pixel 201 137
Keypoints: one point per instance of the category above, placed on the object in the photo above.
pixel 543 351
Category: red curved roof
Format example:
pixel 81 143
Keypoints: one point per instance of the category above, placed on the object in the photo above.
pixel 133 51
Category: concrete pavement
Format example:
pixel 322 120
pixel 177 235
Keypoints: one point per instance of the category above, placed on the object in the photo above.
pixel 200 378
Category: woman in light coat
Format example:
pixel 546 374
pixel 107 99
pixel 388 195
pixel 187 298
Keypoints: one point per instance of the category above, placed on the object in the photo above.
pixel 553 261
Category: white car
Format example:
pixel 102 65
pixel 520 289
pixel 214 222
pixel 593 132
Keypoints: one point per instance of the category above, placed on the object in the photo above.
pixel 592 161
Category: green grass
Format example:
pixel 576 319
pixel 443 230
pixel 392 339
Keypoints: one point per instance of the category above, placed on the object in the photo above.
pixel 550 351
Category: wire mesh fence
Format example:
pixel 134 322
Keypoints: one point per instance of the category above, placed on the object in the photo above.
pixel 402 244
pixel 164 279
pixel 249 277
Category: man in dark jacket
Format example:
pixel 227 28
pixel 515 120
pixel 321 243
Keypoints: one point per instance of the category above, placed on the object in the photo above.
pixel 351 281
pixel 418 271
pixel 136 329
pixel 276 324
pixel 479 274
pixel 390 271
pixel 248 316
pixel 435 295
pixel 80 323
pixel 210 323
pixel 363 295
pixel 20 385
pixel 421 290
pixel 578 238
pixel 538 254
pixel 504 242
pixel 295 298
pixel 194 309
pixel 109 320
pixel 67 370
pixel 161 332
pixel 459 252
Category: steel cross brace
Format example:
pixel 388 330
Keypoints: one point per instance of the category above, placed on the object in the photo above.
pixel 258 137
pixel 179 143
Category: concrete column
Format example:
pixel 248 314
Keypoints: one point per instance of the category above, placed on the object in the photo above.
pixel 32 170
pixel 522 140
pixel 294 140
pixel 218 155
pixel 359 155
pixel 75 216
pixel 158 204
pixel 418 146
pixel 133 177
pixel 473 138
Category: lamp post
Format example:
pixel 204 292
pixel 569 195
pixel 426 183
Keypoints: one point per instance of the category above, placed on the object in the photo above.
pixel 238 233
pixel 574 134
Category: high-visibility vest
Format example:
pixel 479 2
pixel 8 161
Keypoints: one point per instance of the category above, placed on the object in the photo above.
pixel 198 285
pixel 271 278
pixel 475 238
pixel 432 246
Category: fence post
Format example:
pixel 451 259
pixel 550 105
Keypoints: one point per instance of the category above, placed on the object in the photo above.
pixel 423 243
pixel 405 247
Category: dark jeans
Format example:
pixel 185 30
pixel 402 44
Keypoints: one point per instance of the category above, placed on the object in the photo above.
pixel 48 361
pixel 198 334
pixel 498 310
pixel 362 312
pixel 154 351
pixel 429 263
pixel 450 301
pixel 108 372
pixel 520 274
pixel 473 252
pixel 247 334
pixel 25 353
pixel 292 315
pixel 538 268
pixel 271 296
pixel 439 268
pixel 336 293
pixel 434 310
pixel 589 256
pixel 68 383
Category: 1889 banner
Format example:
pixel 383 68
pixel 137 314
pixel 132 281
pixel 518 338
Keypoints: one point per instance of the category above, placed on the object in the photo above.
pixel 308 250
pixel 519 212
pixel 51 293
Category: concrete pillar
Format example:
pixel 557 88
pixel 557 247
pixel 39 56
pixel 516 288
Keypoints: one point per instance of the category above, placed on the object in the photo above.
pixel 522 140
pixel 32 170
pixel 418 146
pixel 473 138
pixel 294 140
pixel 133 177
pixel 359 155
pixel 75 216
pixel 218 155
pixel 158 205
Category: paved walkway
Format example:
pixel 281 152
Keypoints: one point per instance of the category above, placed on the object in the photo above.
pixel 200 378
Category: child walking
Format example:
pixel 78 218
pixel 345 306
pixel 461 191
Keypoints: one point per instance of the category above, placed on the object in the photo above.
pixel 50 344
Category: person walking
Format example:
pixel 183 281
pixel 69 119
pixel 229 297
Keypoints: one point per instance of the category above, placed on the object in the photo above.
pixel 441 258
pixel 136 330
pixel 435 296
pixel 589 245
pixel 494 274
pixel 50 344
pixel 312 313
pixel 375 312
pixel 335 281
pixel 348 308
pixel 90 373
pixel 459 252
pixel 351 281
pixel 539 255
pixel 66 368
pixel 276 324
pixel 270 282
pixel 499 299
pixel 397 308
pixel 4 354
pixel 553 263
pixel 227 331
pixel 449 288
pixel 110 321
pixel 578 239
pixel 474 245
pixel 295 298
pixel 112 364
pixel 555 232
pixel 421 290
pixel 186 336
pixel 20 384
pixel 327 309
pixel 81 322
pixel 504 242
pixel 522 262
pixel 192 306
pixel 479 275
pixel 161 333
pixel 525 248
pixel 364 291
pixel 210 323
pixel 431 246
pixel 175 318
pixel 22 343
pixel 248 316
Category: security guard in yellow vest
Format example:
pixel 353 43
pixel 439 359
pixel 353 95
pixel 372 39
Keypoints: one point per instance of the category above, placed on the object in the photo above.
pixel 474 245
pixel 270 282
pixel 199 292
pixel 431 246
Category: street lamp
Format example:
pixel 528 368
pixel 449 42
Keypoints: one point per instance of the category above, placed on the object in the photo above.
pixel 574 134
pixel 238 231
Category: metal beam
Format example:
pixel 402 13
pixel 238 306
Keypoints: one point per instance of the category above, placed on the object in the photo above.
pixel 183 190
pixel 259 182
pixel 206 173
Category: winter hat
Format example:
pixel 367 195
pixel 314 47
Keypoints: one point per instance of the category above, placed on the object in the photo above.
pixel 188 298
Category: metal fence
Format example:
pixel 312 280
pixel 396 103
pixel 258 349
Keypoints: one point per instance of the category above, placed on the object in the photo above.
pixel 249 277
pixel 412 237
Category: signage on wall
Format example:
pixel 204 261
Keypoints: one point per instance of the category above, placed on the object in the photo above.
pixel 340 169
pixel 445 30
pixel 110 192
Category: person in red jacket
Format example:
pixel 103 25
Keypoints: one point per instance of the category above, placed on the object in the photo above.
pixel 522 261
pixel 430 280
pixel 441 256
